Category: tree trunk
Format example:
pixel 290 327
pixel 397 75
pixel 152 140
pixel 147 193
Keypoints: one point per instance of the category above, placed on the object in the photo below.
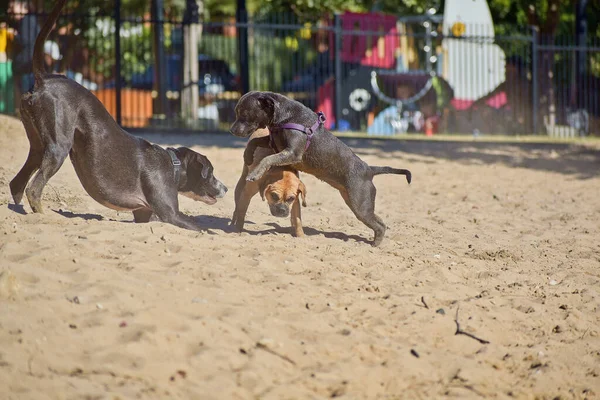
pixel 192 34
pixel 545 67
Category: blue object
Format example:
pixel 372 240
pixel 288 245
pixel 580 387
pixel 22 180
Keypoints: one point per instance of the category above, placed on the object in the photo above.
pixel 343 126
pixel 211 72
pixel 382 124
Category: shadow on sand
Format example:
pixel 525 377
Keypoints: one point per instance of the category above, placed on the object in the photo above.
pixel 85 216
pixel 207 222
pixel 565 158
pixel 18 208
pixel 308 231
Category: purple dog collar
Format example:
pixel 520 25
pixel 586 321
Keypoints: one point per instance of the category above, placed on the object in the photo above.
pixel 309 131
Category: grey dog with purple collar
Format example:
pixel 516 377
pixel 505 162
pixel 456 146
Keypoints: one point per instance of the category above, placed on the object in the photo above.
pixel 300 140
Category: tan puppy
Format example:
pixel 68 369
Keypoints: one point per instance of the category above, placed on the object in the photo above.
pixel 280 186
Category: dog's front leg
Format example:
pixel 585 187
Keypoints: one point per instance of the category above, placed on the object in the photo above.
pixel 294 143
pixel 285 157
pixel 181 220
pixel 242 201
pixel 296 218
pixel 165 205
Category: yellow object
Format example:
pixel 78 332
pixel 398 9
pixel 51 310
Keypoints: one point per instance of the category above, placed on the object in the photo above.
pixel 458 29
pixel 6 39
pixel 3 40
pixel 305 32
pixel 291 43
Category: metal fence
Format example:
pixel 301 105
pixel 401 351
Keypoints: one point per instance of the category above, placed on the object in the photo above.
pixel 368 72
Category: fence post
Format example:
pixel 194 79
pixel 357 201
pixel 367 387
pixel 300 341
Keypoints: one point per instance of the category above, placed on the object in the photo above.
pixel 534 77
pixel 189 66
pixel 581 30
pixel 118 60
pixel 156 12
pixel 338 70
pixel 242 32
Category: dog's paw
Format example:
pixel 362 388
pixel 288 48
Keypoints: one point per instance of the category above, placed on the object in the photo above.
pixel 254 176
pixel 299 233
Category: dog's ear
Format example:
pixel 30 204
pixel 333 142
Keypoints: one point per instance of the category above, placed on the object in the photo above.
pixel 302 191
pixel 203 160
pixel 267 104
pixel 262 188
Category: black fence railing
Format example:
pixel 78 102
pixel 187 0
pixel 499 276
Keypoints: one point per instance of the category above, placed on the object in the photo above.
pixel 368 72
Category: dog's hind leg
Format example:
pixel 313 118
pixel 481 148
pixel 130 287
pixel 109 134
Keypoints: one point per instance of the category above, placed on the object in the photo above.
pixel 143 215
pixel 361 201
pixel 32 164
pixel 52 159
pixel 251 148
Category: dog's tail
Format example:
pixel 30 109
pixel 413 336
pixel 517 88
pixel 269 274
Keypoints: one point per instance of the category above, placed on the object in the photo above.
pixel 390 170
pixel 38 50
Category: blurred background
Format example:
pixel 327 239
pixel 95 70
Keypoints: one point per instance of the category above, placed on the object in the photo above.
pixel 414 67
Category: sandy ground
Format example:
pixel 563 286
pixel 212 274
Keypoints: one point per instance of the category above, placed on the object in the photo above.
pixel 94 306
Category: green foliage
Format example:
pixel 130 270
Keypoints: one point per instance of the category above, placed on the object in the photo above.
pixel 273 58
pixel 135 45
pixel 510 15
pixel 276 58
pixel 219 9
pixel 220 47
pixel 405 7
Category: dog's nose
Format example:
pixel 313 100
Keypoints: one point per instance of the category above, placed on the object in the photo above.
pixel 280 212
pixel 222 191
pixel 237 129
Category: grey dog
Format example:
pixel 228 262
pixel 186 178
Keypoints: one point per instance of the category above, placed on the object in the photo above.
pixel 300 140
pixel 118 170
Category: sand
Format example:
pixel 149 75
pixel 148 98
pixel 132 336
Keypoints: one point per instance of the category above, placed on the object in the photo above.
pixel 93 306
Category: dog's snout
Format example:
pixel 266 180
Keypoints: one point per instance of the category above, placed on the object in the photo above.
pixel 240 129
pixel 222 189
pixel 279 210
pixel 234 130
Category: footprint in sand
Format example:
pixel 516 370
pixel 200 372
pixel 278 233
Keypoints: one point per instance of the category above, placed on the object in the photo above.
pixel 9 286
pixel 118 361
pixel 136 332
pixel 19 257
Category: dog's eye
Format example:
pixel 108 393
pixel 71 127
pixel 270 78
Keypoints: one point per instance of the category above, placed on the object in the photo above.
pixel 290 199
pixel 275 196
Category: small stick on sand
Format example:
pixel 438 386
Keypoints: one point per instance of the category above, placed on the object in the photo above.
pixel 268 350
pixel 461 332
pixel 423 301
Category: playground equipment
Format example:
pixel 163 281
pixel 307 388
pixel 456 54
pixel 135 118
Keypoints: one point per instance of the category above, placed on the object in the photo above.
pixel 402 73
pixel 6 80
pixel 468 51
